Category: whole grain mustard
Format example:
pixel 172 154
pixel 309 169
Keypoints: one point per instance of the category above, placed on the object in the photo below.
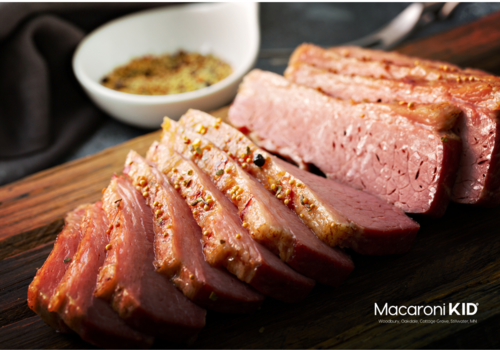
pixel 167 74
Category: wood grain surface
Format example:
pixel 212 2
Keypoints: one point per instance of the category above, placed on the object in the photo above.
pixel 454 259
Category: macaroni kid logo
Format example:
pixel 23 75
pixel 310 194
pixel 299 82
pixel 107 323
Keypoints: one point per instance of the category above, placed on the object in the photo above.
pixel 457 309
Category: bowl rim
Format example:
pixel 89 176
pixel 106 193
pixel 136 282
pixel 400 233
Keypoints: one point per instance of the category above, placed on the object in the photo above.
pixel 97 88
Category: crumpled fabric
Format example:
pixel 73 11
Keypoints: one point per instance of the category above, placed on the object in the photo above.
pixel 44 113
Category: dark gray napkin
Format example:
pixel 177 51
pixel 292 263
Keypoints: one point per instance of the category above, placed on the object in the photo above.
pixel 44 113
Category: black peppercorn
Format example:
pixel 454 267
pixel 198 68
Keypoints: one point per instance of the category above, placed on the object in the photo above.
pixel 259 160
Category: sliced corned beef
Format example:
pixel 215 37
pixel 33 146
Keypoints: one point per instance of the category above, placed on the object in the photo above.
pixel 178 249
pixel 375 63
pixel 338 214
pixel 378 76
pixel 92 318
pixel 405 156
pixel 269 223
pixel 50 274
pixel 145 299
pixel 225 241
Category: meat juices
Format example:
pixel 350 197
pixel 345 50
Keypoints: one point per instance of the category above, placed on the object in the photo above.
pixel 145 299
pixel 225 241
pixel 50 274
pixel 178 249
pixel 390 76
pixel 268 222
pixel 404 156
pixel 90 317
pixel 338 214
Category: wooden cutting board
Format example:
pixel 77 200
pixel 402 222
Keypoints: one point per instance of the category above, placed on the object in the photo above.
pixel 454 259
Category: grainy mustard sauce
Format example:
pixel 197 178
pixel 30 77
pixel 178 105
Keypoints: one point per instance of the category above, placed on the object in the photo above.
pixel 167 74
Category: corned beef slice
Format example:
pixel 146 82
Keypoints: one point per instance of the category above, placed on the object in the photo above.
pixel 178 249
pixel 269 223
pixel 50 274
pixel 379 64
pixel 145 299
pixel 341 216
pixel 225 242
pixel 378 228
pixel 389 76
pixel 395 58
pixel 404 156
pixel 92 318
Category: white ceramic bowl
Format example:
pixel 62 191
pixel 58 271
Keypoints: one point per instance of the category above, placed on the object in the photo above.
pixel 228 30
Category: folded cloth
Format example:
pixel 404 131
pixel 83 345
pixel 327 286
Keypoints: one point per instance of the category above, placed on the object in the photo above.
pixel 44 113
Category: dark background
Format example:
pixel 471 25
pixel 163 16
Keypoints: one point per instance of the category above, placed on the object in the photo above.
pixel 283 25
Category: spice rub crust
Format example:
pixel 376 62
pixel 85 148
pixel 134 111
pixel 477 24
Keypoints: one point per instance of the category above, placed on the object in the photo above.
pixel 225 241
pixel 268 222
pixel 178 248
pixel 337 214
